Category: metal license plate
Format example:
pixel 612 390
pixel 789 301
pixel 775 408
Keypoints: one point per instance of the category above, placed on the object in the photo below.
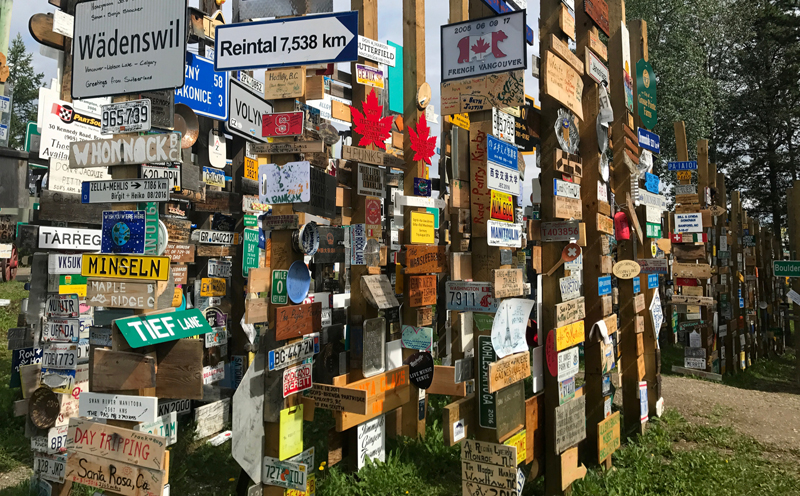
pixel 52 467
pixel 62 330
pixel 296 379
pixel 294 353
pixel 126 117
pixel 60 356
pixel 470 296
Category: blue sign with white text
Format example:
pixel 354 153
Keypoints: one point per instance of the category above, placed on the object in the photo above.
pixel 649 141
pixel 604 285
pixel 652 183
pixel 637 285
pixel 652 281
pixel 682 166
pixel 204 90
pixel 123 231
pixel 502 153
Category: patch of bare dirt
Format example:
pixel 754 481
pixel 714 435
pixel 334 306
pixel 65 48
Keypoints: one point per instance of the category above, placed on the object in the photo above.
pixel 15 477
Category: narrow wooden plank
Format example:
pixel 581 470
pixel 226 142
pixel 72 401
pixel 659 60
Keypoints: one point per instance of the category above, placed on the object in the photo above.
pixel 117 370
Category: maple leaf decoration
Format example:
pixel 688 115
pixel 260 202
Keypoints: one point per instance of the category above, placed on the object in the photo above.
pixel 480 46
pixel 421 141
pixel 373 128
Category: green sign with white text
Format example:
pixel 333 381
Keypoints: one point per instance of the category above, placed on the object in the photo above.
pixel 144 330
pixel 251 251
pixel 646 93
pixel 786 268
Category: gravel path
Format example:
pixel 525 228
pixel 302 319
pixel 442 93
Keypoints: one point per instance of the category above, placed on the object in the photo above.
pixel 772 418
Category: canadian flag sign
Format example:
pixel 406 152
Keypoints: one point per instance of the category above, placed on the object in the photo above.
pixel 484 46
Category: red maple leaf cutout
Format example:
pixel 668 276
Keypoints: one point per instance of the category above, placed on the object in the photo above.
pixel 373 128
pixel 480 46
pixel 421 142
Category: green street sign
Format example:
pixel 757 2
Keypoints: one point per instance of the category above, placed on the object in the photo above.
pixel 144 330
pixel 150 227
pixel 250 247
pixel 653 230
pixel 250 221
pixel 487 406
pixel 280 295
pixel 646 93
pixel 786 268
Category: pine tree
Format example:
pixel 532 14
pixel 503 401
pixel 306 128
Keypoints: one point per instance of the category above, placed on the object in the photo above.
pixel 26 91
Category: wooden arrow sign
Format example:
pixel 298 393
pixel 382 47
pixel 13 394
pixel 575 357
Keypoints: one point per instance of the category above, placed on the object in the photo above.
pixel 41 28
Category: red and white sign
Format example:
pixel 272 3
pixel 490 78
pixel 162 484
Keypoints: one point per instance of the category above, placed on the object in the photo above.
pixel 372 206
pixel 296 379
pixel 282 124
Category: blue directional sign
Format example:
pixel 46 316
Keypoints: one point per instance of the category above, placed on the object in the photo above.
pixel 318 39
pixel 502 153
pixel 682 166
pixel 501 7
pixel 649 141
pixel 604 286
pixel 204 90
pixel 652 281
pixel 637 285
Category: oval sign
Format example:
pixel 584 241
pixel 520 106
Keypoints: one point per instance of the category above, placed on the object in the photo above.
pixel 626 269
pixel 298 282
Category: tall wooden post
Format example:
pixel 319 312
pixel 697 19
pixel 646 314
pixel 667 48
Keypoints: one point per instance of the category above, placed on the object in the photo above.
pixel 413 79
pixel 733 325
pixel 723 273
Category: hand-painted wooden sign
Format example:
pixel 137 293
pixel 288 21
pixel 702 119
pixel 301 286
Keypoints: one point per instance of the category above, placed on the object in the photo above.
pixel 563 83
pixel 121 294
pixel 338 399
pixel 570 423
pixel 608 436
pixel 598 11
pixel 115 443
pixel 508 370
pixel 425 259
pixel 285 83
pixel 148 149
pixel 297 320
pixel 123 478
pixel 422 290
pixel 483 93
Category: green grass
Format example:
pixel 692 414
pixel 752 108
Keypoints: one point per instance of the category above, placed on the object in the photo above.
pixel 674 457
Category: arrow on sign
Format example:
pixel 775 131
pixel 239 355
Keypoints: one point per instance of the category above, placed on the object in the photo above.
pixel 306 40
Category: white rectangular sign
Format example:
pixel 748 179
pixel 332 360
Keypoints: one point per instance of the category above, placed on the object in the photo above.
pixel 568 363
pixel 125 117
pixel 215 237
pixel 65 238
pixel 118 407
pixel 245 111
pixel 164 426
pixel 126 190
pixel 64 264
pixel 564 188
pixel 502 179
pixel 485 46
pixel 63 125
pixel 647 198
pixel 503 234
pixel 50 467
pixel 129 48
pixel 570 288
pixel 503 125
pixel 596 69
pixel 130 150
pixel 689 223
pixel 377 51
pixel 371 181
pixel 158 172
pixel 371 438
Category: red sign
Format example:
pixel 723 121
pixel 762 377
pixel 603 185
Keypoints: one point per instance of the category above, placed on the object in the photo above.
pixel 372 205
pixel 689 237
pixel 683 281
pixel 282 124
pixel 296 379
pixel 422 143
pixel 371 125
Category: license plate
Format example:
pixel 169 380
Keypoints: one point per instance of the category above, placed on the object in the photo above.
pixel 470 297
pixel 62 330
pixel 296 379
pixel 284 474
pixel 294 353
pixel 216 338
pixel 60 356
pixel 52 467
pixel 125 117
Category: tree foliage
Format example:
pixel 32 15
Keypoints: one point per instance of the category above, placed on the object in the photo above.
pixel 26 91
pixel 729 69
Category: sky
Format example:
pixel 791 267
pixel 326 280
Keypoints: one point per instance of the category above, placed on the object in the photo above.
pixel 390 27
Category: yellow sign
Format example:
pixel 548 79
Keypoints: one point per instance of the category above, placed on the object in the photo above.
pixel 251 168
pixel 569 335
pixel 78 289
pixel 608 436
pixel 520 440
pixel 684 175
pixel 177 297
pixel 460 120
pixel 291 432
pixel 422 228
pixel 125 266
pixel 213 286
pixel 502 207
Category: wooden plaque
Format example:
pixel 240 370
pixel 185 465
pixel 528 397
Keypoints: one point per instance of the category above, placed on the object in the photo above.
pixel 422 291
pixel 605 224
pixel 567 208
pixel 509 370
pixel 608 436
pixel 563 83
pixel 562 50
pixel 180 253
pixel 425 259
pixel 507 283
pixel 67 207
pixel 285 83
pixel 638 303
pixel 81 467
pixel 385 392
pixel 698 271
pixel 178 229
pixel 570 311
pixel 294 321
